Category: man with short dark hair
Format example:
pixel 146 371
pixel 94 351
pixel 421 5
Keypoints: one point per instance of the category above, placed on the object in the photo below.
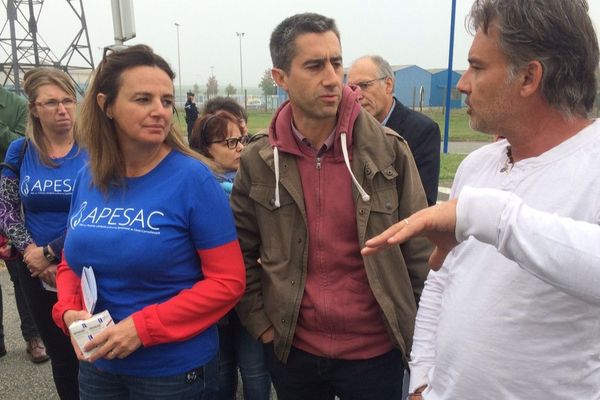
pixel 307 195
pixel 191 113
pixel 493 324
pixel 376 79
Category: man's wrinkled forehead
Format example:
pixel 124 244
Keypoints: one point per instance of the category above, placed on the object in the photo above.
pixel 305 48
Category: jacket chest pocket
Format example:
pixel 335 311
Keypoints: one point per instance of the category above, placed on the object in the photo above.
pixel 385 194
pixel 275 222
pixel 264 196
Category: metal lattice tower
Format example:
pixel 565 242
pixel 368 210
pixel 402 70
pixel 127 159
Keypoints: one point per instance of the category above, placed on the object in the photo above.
pixel 22 46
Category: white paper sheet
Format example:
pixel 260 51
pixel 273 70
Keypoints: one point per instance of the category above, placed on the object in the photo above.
pixel 88 288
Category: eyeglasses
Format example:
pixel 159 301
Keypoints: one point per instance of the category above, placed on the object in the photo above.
pixel 232 143
pixel 364 85
pixel 52 104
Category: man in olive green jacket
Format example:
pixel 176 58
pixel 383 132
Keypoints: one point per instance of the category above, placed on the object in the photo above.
pixel 326 178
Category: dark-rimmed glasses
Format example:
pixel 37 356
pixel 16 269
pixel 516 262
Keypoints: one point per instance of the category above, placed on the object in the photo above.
pixel 364 85
pixel 232 143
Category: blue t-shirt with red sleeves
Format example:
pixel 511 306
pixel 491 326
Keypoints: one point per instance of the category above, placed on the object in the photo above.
pixel 45 191
pixel 142 242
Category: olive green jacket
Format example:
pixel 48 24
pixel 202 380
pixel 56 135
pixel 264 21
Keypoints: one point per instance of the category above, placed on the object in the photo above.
pixel 13 119
pixel 275 243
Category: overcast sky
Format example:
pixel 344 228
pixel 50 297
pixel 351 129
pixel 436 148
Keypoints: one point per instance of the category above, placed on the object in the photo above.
pixel 402 31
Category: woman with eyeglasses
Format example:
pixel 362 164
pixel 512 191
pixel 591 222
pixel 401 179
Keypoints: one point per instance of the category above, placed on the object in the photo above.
pixel 220 136
pixel 219 140
pixel 157 231
pixel 46 161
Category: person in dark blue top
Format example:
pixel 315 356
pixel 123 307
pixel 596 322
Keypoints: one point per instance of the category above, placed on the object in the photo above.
pixel 155 227
pixel 47 160
pixel 191 113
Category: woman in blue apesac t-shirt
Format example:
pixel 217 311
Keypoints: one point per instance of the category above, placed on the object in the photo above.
pixel 156 229
pixel 47 161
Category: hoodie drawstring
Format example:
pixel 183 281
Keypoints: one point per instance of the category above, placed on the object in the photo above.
pixel 276 161
pixel 364 195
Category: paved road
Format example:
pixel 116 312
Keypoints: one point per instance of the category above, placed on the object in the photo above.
pixel 20 379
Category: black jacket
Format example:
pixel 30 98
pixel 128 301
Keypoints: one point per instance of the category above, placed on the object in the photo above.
pixel 423 137
pixel 191 112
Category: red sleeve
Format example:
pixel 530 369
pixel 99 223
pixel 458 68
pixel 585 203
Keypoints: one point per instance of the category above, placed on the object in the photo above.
pixel 69 294
pixel 195 309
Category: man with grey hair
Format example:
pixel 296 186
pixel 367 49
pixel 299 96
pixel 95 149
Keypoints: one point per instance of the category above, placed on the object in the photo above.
pixel 306 196
pixel 491 326
pixel 375 77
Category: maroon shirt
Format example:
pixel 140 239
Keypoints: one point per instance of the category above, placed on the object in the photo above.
pixel 339 316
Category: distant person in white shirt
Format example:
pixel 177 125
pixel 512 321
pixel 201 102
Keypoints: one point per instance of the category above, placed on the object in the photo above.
pixel 513 311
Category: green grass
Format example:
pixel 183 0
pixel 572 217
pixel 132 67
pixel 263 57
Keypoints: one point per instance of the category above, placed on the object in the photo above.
pixel 448 165
pixel 459 124
pixel 460 131
pixel 258 121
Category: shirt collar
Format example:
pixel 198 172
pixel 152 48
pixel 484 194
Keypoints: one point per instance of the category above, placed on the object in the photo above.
pixel 303 140
pixel 389 113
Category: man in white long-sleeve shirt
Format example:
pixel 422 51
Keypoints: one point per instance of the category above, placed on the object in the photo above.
pixel 498 324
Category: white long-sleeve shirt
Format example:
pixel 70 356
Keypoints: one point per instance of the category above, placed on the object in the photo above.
pixel 558 250
pixel 489 327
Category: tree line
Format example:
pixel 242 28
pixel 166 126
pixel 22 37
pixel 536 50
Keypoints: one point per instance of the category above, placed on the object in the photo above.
pixel 211 89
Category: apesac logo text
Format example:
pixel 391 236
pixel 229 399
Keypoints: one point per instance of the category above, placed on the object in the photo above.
pixel 46 186
pixel 137 220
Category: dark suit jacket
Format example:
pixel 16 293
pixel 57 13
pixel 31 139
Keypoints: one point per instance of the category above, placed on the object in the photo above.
pixel 423 137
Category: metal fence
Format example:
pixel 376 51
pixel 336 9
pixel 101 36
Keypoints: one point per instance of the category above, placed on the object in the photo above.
pixel 251 102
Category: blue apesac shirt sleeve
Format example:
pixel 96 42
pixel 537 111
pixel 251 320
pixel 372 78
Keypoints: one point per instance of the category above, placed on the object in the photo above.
pixel 211 219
